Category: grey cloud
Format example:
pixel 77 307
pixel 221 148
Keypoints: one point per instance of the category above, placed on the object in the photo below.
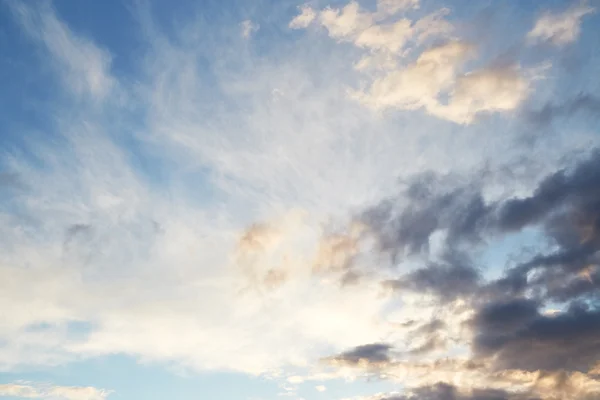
pixel 431 207
pixel 453 277
pixel 368 354
pixel 558 189
pixel 509 328
pixel 505 316
pixel 463 212
pixel 444 391
pixel 565 206
pixel 567 341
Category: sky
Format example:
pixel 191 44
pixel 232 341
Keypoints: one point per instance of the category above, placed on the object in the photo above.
pixel 277 199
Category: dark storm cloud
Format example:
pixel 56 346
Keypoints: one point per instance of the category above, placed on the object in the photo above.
pixel 368 354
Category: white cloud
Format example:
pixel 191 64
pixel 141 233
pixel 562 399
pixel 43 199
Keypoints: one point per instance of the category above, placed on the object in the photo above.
pixel 248 28
pixel 304 19
pixel 419 84
pixel 372 30
pixel 321 388
pixel 84 67
pixel 560 28
pixel 437 73
pixel 346 22
pixel 28 390
pixel 486 90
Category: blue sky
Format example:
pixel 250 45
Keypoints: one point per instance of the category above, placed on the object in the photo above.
pixel 269 199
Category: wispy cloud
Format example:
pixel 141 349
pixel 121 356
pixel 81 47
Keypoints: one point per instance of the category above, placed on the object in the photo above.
pixel 560 28
pixel 83 66
pixel 248 28
pixel 29 390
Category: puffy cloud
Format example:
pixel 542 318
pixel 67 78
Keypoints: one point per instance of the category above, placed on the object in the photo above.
pixel 560 28
pixel 509 327
pixel 419 84
pixel 436 73
pixel 484 91
pixel 449 279
pixel 304 19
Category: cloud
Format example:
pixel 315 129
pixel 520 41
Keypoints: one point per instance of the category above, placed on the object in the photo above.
pixel 484 91
pixel 442 391
pixel 463 212
pixel 83 66
pixel 369 30
pixel 304 19
pixel 452 278
pixel 38 391
pixel 248 28
pixel 558 189
pixel 509 327
pixel 437 72
pixel 534 342
pixel 282 223
pixel 365 355
pixel 560 28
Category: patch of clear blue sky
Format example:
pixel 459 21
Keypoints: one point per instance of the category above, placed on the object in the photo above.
pixel 507 251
